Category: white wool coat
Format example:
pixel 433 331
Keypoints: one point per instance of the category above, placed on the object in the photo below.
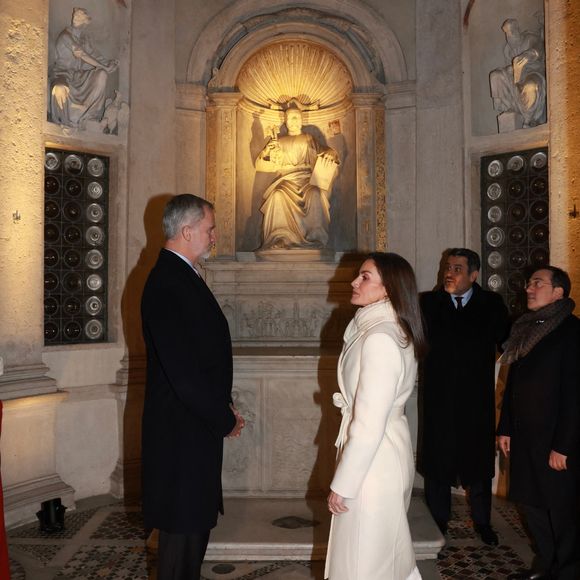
pixel 375 467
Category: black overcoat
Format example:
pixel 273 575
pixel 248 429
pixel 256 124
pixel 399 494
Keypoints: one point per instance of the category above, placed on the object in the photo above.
pixel 541 413
pixel 458 386
pixel 187 396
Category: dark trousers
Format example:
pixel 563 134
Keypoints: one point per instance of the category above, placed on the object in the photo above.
pixel 438 498
pixel 180 556
pixel 555 532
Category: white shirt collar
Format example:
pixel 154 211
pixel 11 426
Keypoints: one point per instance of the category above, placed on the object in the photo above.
pixel 466 296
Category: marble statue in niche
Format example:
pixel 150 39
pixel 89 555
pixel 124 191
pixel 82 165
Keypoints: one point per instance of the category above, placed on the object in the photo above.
pixel 296 205
pixel 78 78
pixel 519 88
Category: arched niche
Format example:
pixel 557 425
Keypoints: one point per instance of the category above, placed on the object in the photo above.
pixel 354 27
pixel 236 133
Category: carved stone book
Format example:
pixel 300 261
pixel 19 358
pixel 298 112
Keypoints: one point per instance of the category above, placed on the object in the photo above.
pixel 323 173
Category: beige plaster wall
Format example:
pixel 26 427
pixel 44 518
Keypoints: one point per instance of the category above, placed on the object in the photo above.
pixel 440 202
pixel 151 153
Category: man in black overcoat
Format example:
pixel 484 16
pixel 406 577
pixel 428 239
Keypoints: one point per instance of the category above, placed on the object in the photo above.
pixel 464 326
pixel 188 409
pixel 539 426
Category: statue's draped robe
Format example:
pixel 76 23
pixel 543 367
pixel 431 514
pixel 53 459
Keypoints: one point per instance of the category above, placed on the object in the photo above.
pixel 296 214
pixel 86 84
pixel 522 91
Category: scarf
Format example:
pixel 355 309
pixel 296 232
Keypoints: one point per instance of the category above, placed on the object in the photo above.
pixel 531 327
pixel 367 317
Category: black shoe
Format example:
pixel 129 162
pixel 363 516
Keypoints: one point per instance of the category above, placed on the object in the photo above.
pixel 530 575
pixel 487 534
pixel 442 527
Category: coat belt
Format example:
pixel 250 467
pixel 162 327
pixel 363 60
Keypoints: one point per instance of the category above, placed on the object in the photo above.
pixel 339 401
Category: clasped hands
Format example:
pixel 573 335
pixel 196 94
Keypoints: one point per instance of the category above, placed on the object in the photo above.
pixel 556 461
pixel 240 423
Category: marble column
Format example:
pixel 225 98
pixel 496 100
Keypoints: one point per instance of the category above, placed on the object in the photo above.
pixel 190 154
pixel 28 445
pixel 402 169
pixel 22 107
pixel 221 168
pixel 563 76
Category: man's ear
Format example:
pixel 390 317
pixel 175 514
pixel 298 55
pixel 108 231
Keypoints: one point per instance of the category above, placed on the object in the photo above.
pixel 473 276
pixel 558 292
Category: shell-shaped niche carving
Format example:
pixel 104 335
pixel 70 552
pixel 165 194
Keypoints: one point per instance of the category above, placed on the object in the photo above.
pixel 297 70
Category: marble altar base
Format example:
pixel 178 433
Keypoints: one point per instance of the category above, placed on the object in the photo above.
pixel 246 531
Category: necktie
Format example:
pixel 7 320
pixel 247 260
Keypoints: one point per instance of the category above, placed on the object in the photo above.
pixel 459 300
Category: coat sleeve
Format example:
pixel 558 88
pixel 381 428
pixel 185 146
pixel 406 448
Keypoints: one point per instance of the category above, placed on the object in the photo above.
pixel 566 435
pixel 174 336
pixel 504 424
pixel 380 371
pixel 502 326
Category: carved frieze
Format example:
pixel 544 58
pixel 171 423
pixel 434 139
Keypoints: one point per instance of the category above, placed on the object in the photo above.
pixel 381 181
pixel 221 164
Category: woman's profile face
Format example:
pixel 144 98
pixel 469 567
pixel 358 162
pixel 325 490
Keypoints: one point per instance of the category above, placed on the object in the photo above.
pixel 367 287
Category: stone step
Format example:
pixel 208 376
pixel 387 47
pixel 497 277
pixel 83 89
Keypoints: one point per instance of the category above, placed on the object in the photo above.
pixel 295 529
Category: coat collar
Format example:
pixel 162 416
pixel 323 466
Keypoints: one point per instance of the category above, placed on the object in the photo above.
pixel 365 318
pixel 174 261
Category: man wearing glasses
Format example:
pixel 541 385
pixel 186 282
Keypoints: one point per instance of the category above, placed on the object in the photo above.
pixel 540 421
pixel 464 326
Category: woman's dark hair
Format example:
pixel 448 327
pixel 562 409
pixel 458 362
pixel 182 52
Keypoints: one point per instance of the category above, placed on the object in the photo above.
pixel 399 280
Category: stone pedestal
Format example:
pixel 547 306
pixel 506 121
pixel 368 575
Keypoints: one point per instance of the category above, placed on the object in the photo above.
pixel 28 453
pixel 286 304
pixel 507 122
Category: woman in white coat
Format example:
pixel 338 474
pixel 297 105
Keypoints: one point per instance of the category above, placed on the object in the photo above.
pixel 371 489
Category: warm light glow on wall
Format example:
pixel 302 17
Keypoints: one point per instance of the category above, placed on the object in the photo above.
pixel 22 103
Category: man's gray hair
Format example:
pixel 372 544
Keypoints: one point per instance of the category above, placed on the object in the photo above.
pixel 181 210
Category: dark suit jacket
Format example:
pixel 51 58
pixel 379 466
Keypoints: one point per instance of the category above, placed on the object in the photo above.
pixel 458 386
pixel 187 396
pixel 541 412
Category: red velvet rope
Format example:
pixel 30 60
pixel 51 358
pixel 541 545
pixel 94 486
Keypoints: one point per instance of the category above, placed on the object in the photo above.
pixel 4 562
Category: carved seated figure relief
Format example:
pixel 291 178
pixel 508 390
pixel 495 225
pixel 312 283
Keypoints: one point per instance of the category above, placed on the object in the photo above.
pixel 79 76
pixel 296 205
pixel 520 86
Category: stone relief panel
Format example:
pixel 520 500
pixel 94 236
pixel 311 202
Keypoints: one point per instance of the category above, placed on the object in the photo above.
pixel 293 425
pixel 287 447
pixel 242 456
pixel 86 90
pixel 284 319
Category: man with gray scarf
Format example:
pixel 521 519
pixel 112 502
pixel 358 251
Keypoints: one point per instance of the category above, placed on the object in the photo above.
pixel 539 428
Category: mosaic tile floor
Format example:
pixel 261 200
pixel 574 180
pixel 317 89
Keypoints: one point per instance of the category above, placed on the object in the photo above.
pixel 105 540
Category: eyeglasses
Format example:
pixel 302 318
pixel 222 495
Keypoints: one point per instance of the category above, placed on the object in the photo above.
pixel 537 283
